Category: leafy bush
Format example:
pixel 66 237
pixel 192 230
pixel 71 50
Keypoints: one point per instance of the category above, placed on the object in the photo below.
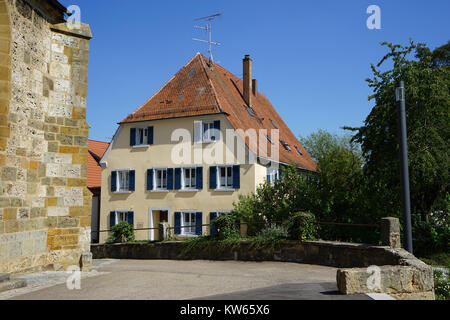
pixel 441 285
pixel 430 237
pixel 121 232
pixel 301 226
pixel 227 226
pixel 270 237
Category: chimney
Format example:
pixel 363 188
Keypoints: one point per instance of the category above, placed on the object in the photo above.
pixel 255 87
pixel 248 80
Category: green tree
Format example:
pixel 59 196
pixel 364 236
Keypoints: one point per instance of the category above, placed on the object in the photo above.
pixel 427 81
pixel 342 186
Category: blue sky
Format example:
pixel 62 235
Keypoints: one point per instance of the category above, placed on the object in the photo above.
pixel 311 58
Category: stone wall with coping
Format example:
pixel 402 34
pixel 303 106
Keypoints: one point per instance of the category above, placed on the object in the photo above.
pixel 44 202
pixel 400 274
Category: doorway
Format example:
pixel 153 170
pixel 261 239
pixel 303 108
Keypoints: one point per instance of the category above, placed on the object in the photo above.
pixel 155 216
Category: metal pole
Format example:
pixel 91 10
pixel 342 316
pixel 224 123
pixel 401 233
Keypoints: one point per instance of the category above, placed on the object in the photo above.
pixel 404 171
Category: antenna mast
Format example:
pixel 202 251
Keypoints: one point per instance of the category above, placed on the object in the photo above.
pixel 208 29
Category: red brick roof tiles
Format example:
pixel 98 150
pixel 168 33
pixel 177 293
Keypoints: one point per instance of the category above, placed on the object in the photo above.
pixel 198 89
pixel 94 172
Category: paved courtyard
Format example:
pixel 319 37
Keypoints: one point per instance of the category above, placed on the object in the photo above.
pixel 178 280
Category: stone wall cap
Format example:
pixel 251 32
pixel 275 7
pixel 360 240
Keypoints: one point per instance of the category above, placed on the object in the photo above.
pixel 83 32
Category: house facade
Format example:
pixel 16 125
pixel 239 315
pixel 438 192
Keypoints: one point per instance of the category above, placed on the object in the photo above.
pixel 186 154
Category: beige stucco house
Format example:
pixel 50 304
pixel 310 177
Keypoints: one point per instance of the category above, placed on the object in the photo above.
pixel 187 153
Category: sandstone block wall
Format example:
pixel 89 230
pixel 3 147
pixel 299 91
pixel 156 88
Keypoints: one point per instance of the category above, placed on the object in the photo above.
pixel 44 203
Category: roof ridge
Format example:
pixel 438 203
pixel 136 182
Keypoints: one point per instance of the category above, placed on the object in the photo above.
pixel 211 84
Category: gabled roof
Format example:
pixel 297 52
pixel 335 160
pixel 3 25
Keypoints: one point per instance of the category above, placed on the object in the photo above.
pixel 198 89
pixel 94 172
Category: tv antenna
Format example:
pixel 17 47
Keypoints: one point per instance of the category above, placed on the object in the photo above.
pixel 208 29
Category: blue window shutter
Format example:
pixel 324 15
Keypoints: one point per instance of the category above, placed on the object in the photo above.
pixel 112 219
pixel 280 174
pixel 213 177
pixel 238 225
pixel 268 177
pixel 150 135
pixel 199 177
pixel 177 178
pixel 113 181
pixel 177 229
pixel 150 179
pixel 170 179
pixel 198 223
pixel 217 130
pixel 130 218
pixel 132 136
pixel 212 216
pixel 131 180
pixel 236 177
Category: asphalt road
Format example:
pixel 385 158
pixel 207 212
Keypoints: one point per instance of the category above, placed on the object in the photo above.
pixel 179 280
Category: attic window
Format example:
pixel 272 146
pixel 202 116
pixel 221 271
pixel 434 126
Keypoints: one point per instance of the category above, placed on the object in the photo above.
pixel 298 150
pixel 270 140
pixel 273 123
pixel 285 145
pixel 250 112
pixel 191 73
pixel 181 96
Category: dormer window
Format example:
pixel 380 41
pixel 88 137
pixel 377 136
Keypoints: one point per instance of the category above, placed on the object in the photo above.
pixel 270 140
pixel 273 123
pixel 298 150
pixel 285 145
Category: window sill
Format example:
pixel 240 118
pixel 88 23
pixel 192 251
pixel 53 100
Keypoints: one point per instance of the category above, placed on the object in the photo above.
pixel 159 191
pixel 141 146
pixel 225 189
pixel 122 192
pixel 189 190
pixel 189 235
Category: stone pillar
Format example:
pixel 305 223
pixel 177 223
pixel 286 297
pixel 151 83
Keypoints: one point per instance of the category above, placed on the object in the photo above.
pixel 390 232
pixel 164 231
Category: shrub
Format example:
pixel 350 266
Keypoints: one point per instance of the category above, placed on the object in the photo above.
pixel 301 226
pixel 441 285
pixel 430 237
pixel 121 232
pixel 227 226
pixel 271 236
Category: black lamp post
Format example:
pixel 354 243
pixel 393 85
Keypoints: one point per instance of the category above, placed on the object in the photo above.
pixel 404 171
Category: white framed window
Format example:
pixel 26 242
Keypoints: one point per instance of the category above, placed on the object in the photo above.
pixel 160 179
pixel 225 177
pixel 188 222
pixel 208 131
pixel 272 175
pixel 141 136
pixel 189 178
pixel 122 216
pixel 123 180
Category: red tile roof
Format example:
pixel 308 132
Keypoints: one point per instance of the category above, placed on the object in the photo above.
pixel 198 89
pixel 94 172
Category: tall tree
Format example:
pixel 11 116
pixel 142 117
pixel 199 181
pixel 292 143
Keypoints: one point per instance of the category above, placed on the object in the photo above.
pixel 426 75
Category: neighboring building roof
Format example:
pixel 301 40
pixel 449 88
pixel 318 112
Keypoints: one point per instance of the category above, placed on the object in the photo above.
pixel 52 10
pixel 94 172
pixel 198 89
